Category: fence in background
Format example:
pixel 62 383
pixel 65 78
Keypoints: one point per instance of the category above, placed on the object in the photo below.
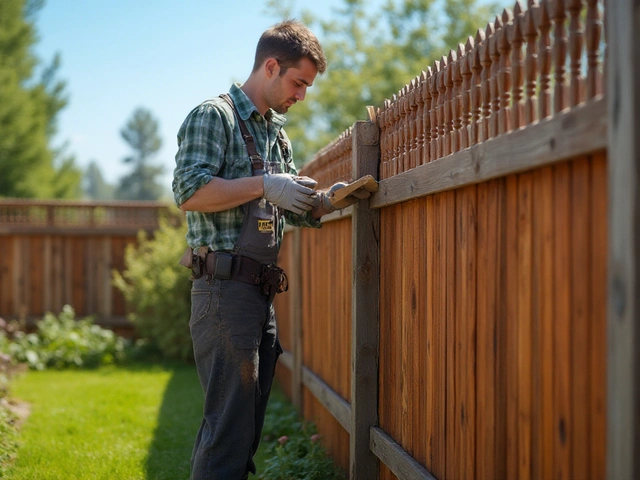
pixel 54 253
pixel 455 325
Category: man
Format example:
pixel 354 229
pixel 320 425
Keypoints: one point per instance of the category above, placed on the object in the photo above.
pixel 237 190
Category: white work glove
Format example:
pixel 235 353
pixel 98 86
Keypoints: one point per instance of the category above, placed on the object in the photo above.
pixel 283 191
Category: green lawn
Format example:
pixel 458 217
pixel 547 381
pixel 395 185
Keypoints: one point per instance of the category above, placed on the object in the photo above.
pixel 135 422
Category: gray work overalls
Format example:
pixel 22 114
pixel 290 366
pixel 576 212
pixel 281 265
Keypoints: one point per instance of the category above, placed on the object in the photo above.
pixel 235 343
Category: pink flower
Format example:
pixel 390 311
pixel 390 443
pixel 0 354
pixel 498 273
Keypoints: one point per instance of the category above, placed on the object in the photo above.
pixel 283 439
pixel 315 438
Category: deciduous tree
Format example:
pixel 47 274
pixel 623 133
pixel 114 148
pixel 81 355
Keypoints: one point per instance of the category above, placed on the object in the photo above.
pixel 373 50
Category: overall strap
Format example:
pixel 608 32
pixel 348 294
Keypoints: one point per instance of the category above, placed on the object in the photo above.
pixel 257 163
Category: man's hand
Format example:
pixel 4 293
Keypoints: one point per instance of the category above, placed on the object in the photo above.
pixel 323 203
pixel 283 191
pixel 336 198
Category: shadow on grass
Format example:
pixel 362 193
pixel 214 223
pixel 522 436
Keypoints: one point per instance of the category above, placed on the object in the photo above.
pixel 178 422
pixel 180 415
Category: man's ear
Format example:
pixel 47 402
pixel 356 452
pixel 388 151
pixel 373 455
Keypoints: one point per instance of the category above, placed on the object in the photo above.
pixel 271 67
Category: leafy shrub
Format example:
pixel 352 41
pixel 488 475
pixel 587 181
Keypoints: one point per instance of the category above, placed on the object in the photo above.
pixel 157 289
pixel 294 447
pixel 300 456
pixel 63 341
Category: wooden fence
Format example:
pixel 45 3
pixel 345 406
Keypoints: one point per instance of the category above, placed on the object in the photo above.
pixel 476 317
pixel 54 253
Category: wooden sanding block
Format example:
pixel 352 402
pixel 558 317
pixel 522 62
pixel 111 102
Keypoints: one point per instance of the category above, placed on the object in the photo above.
pixel 361 188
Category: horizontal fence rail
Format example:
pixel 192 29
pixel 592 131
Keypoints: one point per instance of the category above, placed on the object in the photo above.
pixel 64 216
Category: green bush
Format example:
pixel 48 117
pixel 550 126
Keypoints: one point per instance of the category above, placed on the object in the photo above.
pixel 300 456
pixel 294 448
pixel 158 291
pixel 63 341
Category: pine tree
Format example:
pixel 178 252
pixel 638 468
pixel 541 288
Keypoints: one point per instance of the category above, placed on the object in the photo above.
pixel 29 166
pixel 141 133
pixel 95 187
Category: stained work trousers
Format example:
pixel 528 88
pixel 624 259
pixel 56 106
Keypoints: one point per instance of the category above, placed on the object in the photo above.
pixel 233 328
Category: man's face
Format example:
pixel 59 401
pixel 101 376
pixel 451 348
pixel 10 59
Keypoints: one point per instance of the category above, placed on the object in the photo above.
pixel 291 87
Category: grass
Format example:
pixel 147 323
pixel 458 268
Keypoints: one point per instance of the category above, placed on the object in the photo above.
pixel 8 436
pixel 135 422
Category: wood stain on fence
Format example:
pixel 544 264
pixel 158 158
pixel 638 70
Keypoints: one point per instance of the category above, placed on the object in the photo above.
pixel 493 241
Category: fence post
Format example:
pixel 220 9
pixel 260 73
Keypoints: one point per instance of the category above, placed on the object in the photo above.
pixel 364 308
pixel 623 369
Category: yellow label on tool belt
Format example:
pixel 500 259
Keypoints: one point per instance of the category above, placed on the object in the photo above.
pixel 265 226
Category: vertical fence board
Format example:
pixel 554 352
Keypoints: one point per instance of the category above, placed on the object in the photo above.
pixel 21 283
pixel 395 349
pixel 510 297
pixel 384 380
pixel 466 325
pixel 543 294
pixel 485 440
pixel 407 309
pixel 295 318
pixel 524 347
pixel 580 275
pixel 6 270
pixel 388 245
pixel 562 318
pixel 452 422
pixel 90 270
pixel 436 332
pixel 59 272
pixel 107 298
pixel 78 261
pixel 118 247
pixel 35 273
pixel 488 278
pixel 598 308
pixel 46 274
pixel 422 342
pixel 502 324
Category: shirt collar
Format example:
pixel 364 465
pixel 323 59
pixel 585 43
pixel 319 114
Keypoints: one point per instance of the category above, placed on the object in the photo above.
pixel 246 108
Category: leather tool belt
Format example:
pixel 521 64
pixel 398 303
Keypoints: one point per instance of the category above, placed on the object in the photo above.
pixel 229 266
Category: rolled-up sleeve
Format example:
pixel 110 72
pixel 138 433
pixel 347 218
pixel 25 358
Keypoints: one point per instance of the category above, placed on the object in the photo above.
pixel 201 146
pixel 304 220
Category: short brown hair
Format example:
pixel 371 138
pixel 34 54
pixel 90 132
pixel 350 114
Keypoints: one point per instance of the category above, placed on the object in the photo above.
pixel 289 42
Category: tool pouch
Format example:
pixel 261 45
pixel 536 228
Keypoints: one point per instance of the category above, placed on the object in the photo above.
pixel 194 262
pixel 187 258
pixel 273 280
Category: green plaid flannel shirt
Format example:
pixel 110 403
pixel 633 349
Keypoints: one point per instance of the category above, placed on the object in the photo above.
pixel 210 144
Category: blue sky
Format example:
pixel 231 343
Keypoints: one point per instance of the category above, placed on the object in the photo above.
pixel 163 55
